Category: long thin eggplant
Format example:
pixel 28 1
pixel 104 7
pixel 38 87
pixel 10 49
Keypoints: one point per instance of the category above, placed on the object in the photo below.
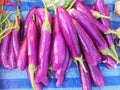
pixel 104 9
pixel 27 20
pixel 16 37
pixel 87 11
pixel 22 60
pixel 61 72
pixel 32 33
pixel 93 32
pixel 4 49
pixel 92 55
pixel 11 55
pixel 85 77
pixel 44 51
pixel 58 47
pixel 69 33
pixel 96 75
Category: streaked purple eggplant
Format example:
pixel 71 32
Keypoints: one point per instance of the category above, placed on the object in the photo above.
pixel 22 60
pixel 32 37
pixel 90 52
pixel 69 33
pixel 11 55
pixel 96 75
pixel 58 47
pixel 104 9
pixel 16 37
pixel 4 49
pixel 93 32
pixel 27 20
pixel 85 78
pixel 87 11
pixel 109 62
pixel 61 72
pixel 44 51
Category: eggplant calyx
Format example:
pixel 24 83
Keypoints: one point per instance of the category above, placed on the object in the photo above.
pixel 31 70
pixel 108 52
pixel 80 59
pixel 97 15
pixel 112 32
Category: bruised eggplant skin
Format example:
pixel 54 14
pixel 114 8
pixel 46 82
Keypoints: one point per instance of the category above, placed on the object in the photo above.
pixel 92 55
pixel 58 47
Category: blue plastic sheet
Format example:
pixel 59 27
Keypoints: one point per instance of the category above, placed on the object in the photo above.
pixel 16 80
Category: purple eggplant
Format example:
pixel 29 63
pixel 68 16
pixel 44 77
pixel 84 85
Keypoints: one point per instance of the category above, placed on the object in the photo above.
pixel 61 72
pixel 58 47
pixel 69 33
pixel 87 11
pixel 93 32
pixel 96 75
pixel 32 50
pixel 22 60
pixel 91 54
pixel 104 9
pixel 11 55
pixel 109 62
pixel 27 20
pixel 60 81
pixel 44 51
pixel 41 14
pixel 4 49
pixel 85 78
pixel 16 37
pixel 38 85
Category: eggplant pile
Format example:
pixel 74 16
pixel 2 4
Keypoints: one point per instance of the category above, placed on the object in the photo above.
pixel 79 34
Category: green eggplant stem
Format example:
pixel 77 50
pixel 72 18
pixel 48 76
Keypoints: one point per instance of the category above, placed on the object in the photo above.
pixel 71 5
pixel 112 32
pixel 107 52
pixel 31 70
pixel 98 15
pixel 6 18
pixel 46 24
pixel 81 62
pixel 112 47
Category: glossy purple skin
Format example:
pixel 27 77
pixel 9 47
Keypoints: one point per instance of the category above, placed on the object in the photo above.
pixel 109 62
pixel 11 56
pixel 85 78
pixel 70 62
pixel 38 85
pixel 40 13
pixel 104 9
pixel 43 57
pixel 80 6
pixel 61 72
pixel 28 18
pixel 32 43
pixel 91 53
pixel 16 38
pixel 4 49
pixel 68 31
pixel 90 28
pixel 60 81
pixel 96 75
pixel 58 47
pixel 22 60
